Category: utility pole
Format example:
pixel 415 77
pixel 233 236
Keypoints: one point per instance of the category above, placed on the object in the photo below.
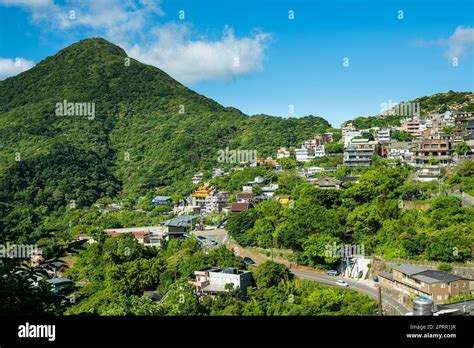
pixel 380 300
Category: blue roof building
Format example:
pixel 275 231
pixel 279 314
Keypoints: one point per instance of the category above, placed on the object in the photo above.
pixel 160 200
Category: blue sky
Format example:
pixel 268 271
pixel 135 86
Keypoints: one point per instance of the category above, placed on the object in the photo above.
pixel 250 55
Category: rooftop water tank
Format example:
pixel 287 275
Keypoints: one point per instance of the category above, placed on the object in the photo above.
pixel 422 306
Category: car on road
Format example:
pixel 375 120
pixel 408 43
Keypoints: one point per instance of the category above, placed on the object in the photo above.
pixel 342 283
pixel 332 273
pixel 249 261
pixel 201 237
pixel 213 242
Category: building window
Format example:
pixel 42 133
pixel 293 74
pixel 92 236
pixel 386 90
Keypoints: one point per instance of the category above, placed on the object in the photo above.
pixel 443 286
pixel 456 285
pixel 440 297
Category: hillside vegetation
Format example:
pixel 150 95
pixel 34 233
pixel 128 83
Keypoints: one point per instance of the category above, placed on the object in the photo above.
pixel 149 131
pixel 440 102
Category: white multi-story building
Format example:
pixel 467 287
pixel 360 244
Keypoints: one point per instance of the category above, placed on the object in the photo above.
pixel 349 135
pixel 304 154
pixel 258 181
pixel 447 119
pixel 217 173
pixel 425 124
pixel 269 191
pixel 359 153
pixel 382 135
pixel 428 173
pixel 319 151
pixel 214 203
pixel 310 171
pixel 401 150
pixel 215 279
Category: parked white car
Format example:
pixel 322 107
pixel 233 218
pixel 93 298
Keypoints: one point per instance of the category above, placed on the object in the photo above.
pixel 342 283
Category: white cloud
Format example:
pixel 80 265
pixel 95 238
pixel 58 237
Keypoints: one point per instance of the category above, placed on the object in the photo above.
pixel 192 61
pixel 460 43
pixel 118 20
pixel 132 25
pixel 27 3
pixel 108 17
pixel 10 67
pixel 40 10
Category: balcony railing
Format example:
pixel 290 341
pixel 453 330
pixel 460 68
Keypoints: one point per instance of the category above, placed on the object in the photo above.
pixel 427 158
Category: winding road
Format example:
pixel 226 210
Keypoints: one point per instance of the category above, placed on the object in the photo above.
pixel 354 285
pixel 390 305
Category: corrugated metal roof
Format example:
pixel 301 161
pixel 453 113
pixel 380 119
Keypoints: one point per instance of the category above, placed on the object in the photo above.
pixel 328 181
pixel 59 280
pixel 410 269
pixel 436 276
pixel 181 221
pixel 386 275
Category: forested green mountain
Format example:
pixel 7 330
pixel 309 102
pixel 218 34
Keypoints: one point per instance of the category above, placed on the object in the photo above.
pixel 148 131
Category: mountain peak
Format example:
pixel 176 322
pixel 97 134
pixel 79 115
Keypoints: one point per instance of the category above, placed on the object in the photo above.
pixel 96 47
pixel 96 70
pixel 97 43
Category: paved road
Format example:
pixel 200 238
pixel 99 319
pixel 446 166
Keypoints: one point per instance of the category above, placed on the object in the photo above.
pixel 354 285
pixel 220 236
